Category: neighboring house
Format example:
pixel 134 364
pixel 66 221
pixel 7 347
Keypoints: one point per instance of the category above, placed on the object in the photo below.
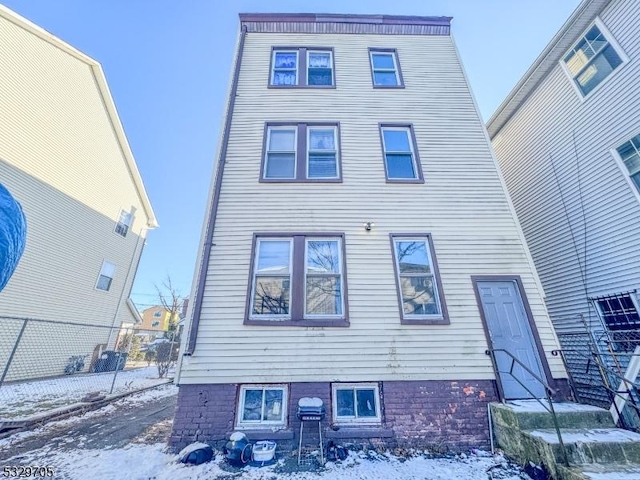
pixel 64 156
pixel 155 318
pixel 127 329
pixel 568 142
pixel 360 244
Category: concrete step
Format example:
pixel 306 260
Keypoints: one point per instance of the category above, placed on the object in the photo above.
pixel 609 471
pixel 530 415
pixel 589 445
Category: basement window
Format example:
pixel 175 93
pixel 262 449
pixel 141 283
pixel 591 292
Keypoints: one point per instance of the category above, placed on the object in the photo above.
pixel 356 403
pixel 262 405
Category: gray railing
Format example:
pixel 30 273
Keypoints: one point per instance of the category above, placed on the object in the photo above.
pixel 549 391
pixel 607 373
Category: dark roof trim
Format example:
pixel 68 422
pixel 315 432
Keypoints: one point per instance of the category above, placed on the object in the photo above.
pixel 343 18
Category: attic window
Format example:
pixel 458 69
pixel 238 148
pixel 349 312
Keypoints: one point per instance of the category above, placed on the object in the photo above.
pixel 124 223
pixel 592 59
pixel 302 67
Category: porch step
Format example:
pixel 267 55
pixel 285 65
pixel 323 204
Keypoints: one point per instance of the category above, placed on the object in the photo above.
pixel 585 446
pixel 596 450
pixel 531 415
pixel 611 471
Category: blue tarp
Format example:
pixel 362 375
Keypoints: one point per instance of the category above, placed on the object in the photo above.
pixel 13 235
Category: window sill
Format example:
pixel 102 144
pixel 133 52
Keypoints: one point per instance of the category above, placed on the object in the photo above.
pixel 405 180
pixel 425 321
pixel 388 86
pixel 265 434
pixel 301 180
pixel 321 87
pixel 359 432
pixel 320 322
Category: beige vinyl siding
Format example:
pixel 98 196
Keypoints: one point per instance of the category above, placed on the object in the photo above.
pixel 462 204
pixel 543 129
pixel 61 158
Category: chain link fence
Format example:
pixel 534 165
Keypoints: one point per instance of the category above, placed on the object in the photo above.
pixel 47 365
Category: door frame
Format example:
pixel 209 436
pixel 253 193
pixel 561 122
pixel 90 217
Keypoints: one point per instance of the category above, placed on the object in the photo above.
pixel 528 313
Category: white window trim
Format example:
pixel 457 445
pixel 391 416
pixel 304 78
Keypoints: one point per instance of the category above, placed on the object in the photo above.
pixel 612 41
pixel 266 316
pixel 384 70
pixel 251 424
pixel 333 78
pixel 623 168
pixel 436 292
pixel 129 226
pixel 338 420
pixel 340 263
pixel 95 287
pixel 295 151
pixel 273 67
pixel 335 151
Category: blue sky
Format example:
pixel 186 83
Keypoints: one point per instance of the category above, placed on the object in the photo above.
pixel 168 65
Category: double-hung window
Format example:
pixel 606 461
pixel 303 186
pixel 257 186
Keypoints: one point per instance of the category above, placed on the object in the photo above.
pixel 630 155
pixel 285 68
pixel 124 223
pixel 592 59
pixel 301 152
pixel 319 68
pixel 298 279
pixel 302 67
pixel 400 151
pixel 262 406
pixel 385 68
pixel 418 281
pixel 356 403
pixel 106 276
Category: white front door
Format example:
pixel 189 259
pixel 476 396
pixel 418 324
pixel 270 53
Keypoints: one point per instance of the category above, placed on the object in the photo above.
pixel 509 329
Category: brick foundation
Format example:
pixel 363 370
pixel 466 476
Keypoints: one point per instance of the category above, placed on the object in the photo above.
pixel 440 415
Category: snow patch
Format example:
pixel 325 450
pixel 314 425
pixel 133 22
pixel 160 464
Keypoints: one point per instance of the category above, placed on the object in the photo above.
pixel 533 406
pixel 38 396
pixel 596 435
pixel 192 448
pixel 142 462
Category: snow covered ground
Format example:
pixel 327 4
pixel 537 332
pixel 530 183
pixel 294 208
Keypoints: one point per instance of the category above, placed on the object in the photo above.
pixel 142 462
pixel 26 398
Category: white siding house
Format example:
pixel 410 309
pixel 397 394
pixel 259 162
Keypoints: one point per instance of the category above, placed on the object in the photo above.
pixel 353 161
pixel 65 158
pixel 567 142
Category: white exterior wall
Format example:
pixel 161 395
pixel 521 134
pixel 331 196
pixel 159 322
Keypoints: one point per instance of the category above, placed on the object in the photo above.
pixel 544 128
pixel 61 158
pixel 462 204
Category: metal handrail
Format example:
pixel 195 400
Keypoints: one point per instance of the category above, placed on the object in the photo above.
pixel 613 393
pixel 549 391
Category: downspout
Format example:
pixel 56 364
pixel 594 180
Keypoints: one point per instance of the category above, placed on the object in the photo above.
pixel 204 264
